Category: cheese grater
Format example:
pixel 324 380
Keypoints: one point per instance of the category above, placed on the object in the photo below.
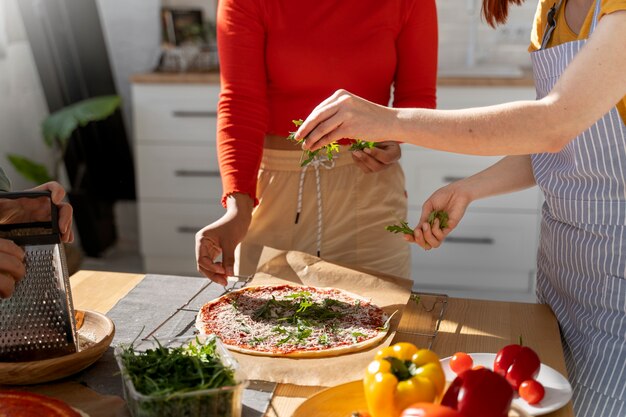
pixel 37 322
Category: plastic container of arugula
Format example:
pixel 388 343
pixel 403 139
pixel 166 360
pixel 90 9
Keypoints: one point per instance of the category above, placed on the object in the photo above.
pixel 187 376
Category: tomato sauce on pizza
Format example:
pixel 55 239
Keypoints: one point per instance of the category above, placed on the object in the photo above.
pixel 28 404
pixel 290 320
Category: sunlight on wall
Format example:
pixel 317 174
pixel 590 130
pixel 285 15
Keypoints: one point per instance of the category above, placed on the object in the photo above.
pixel 22 102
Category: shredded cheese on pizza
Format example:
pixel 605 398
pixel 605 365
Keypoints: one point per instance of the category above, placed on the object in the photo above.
pixel 286 319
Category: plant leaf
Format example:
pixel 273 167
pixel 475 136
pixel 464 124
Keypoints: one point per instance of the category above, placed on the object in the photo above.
pixel 31 170
pixel 403 227
pixel 61 124
pixel 438 214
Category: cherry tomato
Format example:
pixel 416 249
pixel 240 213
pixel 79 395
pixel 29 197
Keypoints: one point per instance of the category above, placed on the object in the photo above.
pixel 531 391
pixel 461 362
pixel 429 410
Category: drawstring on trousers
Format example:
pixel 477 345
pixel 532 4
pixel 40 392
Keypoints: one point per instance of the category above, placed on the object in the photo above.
pixel 315 163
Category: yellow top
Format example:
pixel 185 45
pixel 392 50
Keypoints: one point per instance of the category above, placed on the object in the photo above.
pixel 563 33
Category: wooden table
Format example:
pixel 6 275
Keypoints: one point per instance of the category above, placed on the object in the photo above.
pixel 468 326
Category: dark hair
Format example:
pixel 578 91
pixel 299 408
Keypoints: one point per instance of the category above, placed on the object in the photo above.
pixel 495 12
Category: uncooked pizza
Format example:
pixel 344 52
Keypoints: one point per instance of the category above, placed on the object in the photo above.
pixel 28 404
pixel 293 321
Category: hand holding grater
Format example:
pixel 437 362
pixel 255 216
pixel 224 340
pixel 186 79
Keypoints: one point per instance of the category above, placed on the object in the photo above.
pixel 37 322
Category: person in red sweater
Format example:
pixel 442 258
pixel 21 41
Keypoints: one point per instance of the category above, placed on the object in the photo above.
pixel 278 59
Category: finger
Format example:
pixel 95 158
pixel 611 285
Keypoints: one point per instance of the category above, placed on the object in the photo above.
pixel 332 136
pixel 321 112
pixel 65 218
pixel 213 276
pixel 228 259
pixel 70 237
pixel 207 251
pixel 12 265
pixel 370 162
pixel 207 246
pixel 418 238
pixel 318 125
pixel 7 285
pixel 57 192
pixel 357 160
pixel 428 236
pixel 437 232
pixel 385 156
pixel 210 265
pixel 9 247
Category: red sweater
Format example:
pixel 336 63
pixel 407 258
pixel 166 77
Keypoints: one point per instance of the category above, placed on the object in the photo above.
pixel 280 58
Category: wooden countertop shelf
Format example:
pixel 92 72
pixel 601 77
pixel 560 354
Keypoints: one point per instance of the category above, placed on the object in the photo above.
pixel 214 78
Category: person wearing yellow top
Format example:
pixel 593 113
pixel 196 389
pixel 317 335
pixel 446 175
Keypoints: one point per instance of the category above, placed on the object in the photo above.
pixel 564 33
pixel 571 142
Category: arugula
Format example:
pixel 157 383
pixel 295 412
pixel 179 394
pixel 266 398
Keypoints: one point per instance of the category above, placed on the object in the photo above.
pixel 403 226
pixel 441 215
pixel 299 310
pixel 329 150
pixel 359 145
pixel 164 374
pixel 299 307
pixel 356 335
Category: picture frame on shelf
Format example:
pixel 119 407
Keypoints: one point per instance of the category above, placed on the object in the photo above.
pixel 182 26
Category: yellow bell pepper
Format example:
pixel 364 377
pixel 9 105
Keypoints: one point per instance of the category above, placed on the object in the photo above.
pixel 399 376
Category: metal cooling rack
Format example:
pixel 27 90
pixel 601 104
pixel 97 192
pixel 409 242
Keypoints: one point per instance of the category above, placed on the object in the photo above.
pixel 242 281
pixel 433 303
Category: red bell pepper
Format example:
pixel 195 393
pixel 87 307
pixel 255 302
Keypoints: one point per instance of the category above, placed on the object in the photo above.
pixel 479 393
pixel 517 364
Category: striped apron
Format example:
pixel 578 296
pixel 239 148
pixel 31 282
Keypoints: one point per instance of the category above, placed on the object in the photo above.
pixel 582 249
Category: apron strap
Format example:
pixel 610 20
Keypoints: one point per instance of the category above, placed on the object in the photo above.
pixel 596 16
pixel 550 24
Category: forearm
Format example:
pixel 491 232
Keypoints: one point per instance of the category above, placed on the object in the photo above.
pixel 510 174
pixel 524 126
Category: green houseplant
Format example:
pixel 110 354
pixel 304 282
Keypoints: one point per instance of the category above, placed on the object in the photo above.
pixel 93 215
pixel 57 129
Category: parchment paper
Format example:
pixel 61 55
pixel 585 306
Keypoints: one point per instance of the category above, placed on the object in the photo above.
pixel 388 292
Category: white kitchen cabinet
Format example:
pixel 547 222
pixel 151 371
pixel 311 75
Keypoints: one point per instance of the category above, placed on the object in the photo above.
pixel 178 178
pixel 492 253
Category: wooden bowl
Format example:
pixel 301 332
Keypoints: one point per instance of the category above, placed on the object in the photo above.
pixel 94 336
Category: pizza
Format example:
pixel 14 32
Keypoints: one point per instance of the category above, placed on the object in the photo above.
pixel 293 321
pixel 28 404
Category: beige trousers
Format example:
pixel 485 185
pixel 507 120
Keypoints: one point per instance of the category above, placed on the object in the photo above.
pixel 343 213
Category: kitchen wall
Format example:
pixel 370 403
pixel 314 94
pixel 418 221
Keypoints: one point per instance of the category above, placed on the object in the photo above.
pixel 22 102
pixel 132 32
pixel 464 36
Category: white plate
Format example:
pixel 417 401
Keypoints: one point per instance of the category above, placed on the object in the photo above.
pixel 558 389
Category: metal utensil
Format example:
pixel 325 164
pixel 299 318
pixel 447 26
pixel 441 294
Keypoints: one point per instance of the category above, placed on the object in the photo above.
pixel 38 322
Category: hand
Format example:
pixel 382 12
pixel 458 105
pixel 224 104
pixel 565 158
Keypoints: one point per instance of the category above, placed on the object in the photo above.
pixel 221 237
pixel 378 158
pixel 33 209
pixel 11 267
pixel 345 115
pixel 453 200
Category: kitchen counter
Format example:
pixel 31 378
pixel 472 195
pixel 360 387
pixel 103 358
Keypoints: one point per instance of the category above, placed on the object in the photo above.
pixel 468 325
pixel 214 78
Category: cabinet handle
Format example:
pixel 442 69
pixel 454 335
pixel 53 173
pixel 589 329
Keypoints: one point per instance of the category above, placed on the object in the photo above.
pixel 192 113
pixel 472 240
pixel 188 229
pixel 195 173
pixel 450 178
